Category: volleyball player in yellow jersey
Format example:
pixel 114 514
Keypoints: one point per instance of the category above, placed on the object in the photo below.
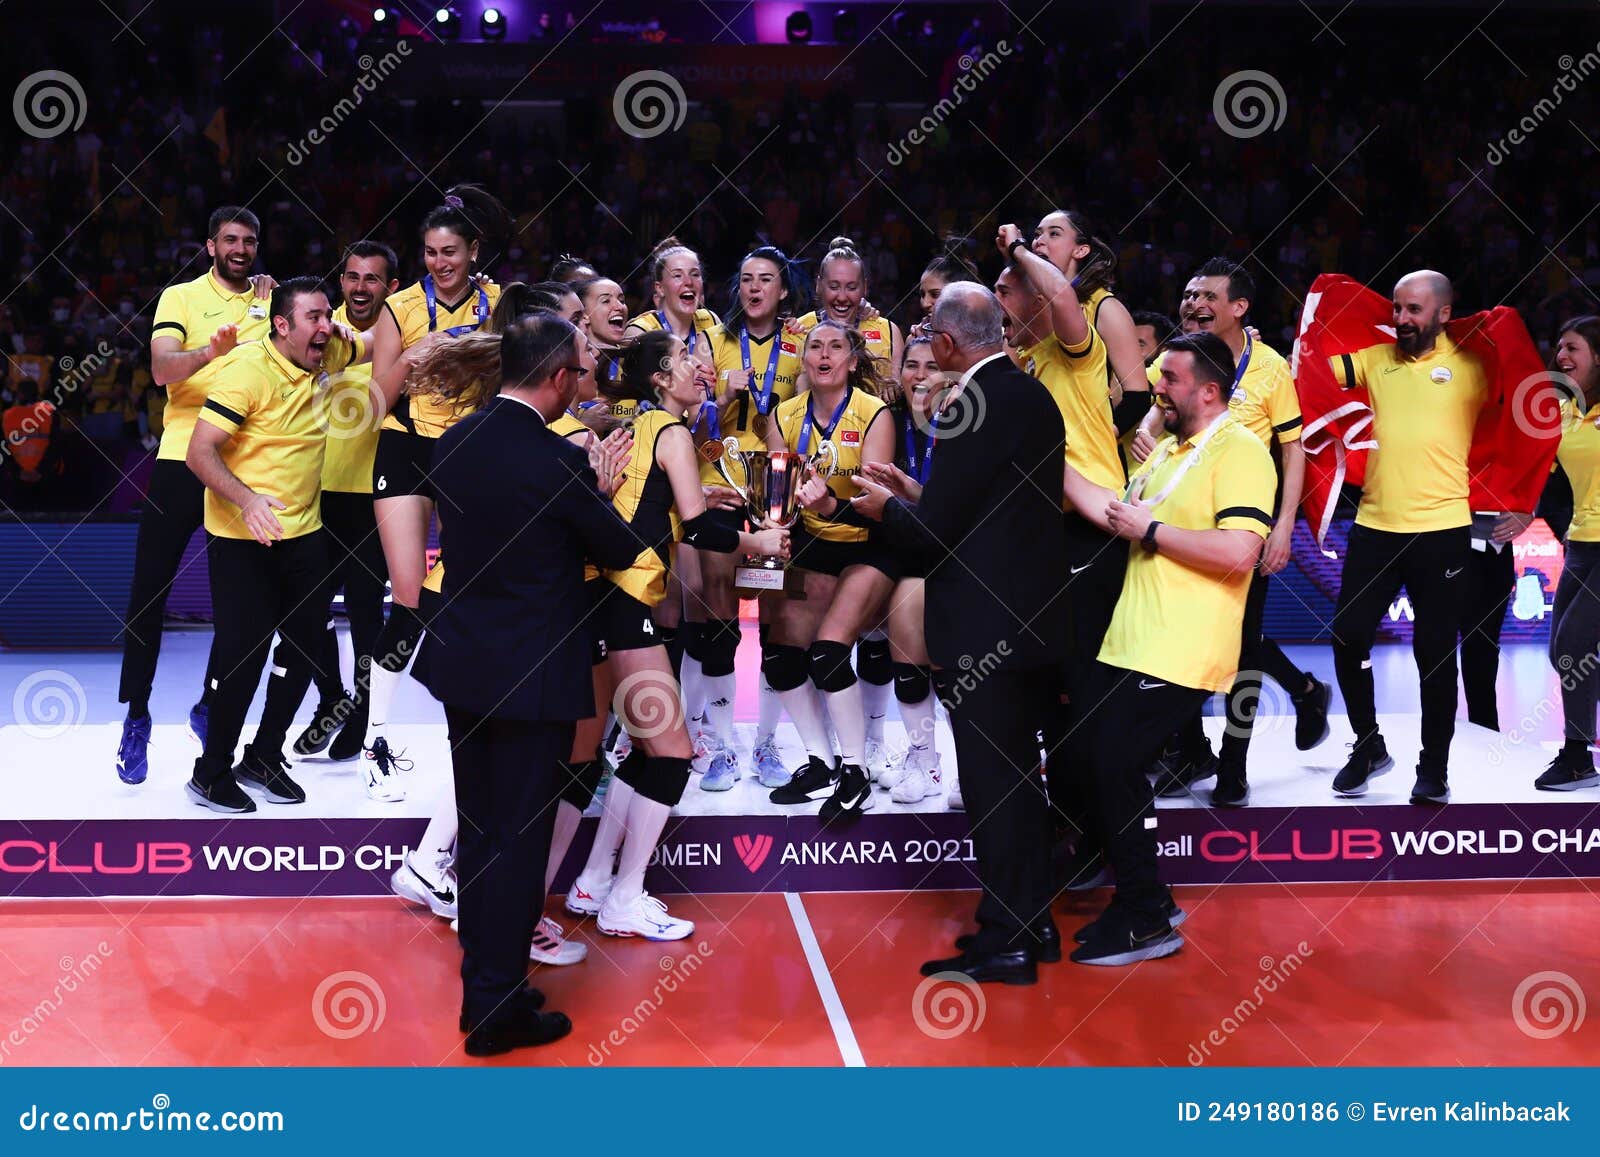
pixel 940 272
pixel 458 237
pixel 605 315
pixel 756 370
pixel 196 323
pixel 1575 625
pixel 661 498
pixel 848 575
pixel 841 291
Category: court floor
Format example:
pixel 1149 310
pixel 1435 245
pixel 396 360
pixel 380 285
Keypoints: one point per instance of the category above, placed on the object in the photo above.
pixel 1431 974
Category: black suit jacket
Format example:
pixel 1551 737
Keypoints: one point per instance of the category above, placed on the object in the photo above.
pixel 519 512
pixel 989 529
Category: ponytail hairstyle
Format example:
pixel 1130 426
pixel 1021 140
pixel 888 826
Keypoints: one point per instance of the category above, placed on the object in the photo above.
pixel 518 299
pixel 841 249
pixel 870 374
pixel 789 276
pixel 952 268
pixel 570 268
pixel 466 370
pixel 472 213
pixel 641 358
pixel 666 248
pixel 1097 270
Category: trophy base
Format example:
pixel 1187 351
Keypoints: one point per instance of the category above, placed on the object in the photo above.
pixel 752 581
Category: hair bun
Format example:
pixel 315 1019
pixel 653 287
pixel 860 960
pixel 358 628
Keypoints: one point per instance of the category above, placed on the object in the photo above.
pixel 841 243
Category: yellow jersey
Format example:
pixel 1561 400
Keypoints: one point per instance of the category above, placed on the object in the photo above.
pixel 277 416
pixel 849 436
pixel 192 311
pixel 705 322
pixel 1423 414
pixel 1173 621
pixel 878 334
pixel 738 417
pixel 423 415
pixel 645 502
pixel 1076 377
pixel 1264 400
pixel 352 433
pixel 1579 456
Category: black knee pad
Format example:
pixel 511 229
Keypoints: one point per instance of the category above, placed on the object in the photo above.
pixel 719 646
pixel 631 770
pixel 397 642
pixel 784 667
pixel 873 661
pixel 830 666
pixel 694 636
pixel 578 781
pixel 762 631
pixel 663 779
pixel 912 684
pixel 672 639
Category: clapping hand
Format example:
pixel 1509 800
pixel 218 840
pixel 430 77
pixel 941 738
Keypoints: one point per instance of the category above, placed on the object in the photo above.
pixel 891 478
pixel 223 341
pixel 1143 444
pixel 609 456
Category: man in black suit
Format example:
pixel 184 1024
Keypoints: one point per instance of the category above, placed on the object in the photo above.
pixel 995 619
pixel 508 656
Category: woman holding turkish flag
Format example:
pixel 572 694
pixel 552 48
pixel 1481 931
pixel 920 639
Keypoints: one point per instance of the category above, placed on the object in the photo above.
pixel 1429 415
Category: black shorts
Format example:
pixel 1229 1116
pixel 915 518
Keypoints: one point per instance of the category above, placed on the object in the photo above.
pixel 402 465
pixel 625 623
pixel 594 622
pixel 825 556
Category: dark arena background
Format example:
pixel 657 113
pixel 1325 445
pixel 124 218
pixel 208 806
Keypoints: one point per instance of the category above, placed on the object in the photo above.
pixel 1296 139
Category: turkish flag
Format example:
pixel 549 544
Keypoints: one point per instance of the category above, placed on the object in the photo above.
pixel 1518 428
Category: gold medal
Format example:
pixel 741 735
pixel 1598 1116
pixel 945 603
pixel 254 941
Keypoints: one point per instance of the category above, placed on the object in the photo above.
pixel 711 450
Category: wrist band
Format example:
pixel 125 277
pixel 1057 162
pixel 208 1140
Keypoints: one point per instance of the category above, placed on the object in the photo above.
pixel 1011 249
pixel 1149 539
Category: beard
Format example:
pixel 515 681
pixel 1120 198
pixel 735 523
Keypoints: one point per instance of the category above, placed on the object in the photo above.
pixel 1414 340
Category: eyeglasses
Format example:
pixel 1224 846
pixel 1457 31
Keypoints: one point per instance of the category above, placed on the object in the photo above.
pixel 579 370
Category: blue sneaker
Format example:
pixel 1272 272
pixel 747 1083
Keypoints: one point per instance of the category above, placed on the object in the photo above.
pixel 770 771
pixel 133 762
pixel 199 720
pixel 722 772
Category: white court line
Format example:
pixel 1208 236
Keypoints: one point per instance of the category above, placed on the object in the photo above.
pixel 842 1032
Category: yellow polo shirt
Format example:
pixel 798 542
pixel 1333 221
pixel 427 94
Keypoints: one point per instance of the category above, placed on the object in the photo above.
pixel 352 430
pixel 192 311
pixel 1579 455
pixel 1077 379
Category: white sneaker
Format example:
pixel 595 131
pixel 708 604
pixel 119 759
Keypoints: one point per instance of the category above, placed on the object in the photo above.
pixel 921 778
pixel 877 760
pixel 551 946
pixel 891 776
pixel 706 747
pixel 585 897
pixel 429 883
pixel 953 801
pixel 645 917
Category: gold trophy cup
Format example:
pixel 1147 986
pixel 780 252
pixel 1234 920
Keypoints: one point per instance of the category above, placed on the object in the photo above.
pixel 771 491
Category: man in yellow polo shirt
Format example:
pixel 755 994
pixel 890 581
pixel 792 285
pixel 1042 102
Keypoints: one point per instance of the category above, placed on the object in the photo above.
pixel 258 448
pixel 1413 527
pixel 1196 513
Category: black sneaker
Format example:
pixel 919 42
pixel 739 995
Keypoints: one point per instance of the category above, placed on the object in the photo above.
pixel 1232 789
pixel 325 724
pixel 813 781
pixel 1311 714
pixel 1121 939
pixel 1175 917
pixel 1191 770
pixel 1166 764
pixel 850 798
pixel 223 796
pixel 1081 870
pixel 1367 761
pixel 352 737
pixel 269 773
pixel 1568 773
pixel 1432 786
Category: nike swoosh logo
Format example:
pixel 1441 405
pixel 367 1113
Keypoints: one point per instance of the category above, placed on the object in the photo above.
pixel 1156 935
pixel 1452 573
pixel 213 313
pixel 1146 685
pixel 1084 567
pixel 1391 369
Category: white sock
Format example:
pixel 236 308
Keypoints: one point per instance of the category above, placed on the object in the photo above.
pixel 567 818
pixel 919 721
pixel 693 681
pixel 646 819
pixel 805 708
pixel 380 694
pixel 849 723
pixel 875 698
pixel 771 712
pixel 440 834
pixel 720 690
pixel 608 836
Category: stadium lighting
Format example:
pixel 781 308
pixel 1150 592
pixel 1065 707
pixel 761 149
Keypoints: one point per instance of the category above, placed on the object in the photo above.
pixel 447 23
pixel 798 27
pixel 492 24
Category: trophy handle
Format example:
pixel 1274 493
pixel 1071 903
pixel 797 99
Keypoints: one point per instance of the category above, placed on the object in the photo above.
pixel 730 447
pixel 825 451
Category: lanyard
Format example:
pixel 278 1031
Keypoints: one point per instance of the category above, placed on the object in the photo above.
pixel 920 464
pixel 805 426
pixel 709 415
pixel 433 309
pixel 661 316
pixel 1161 456
pixel 1244 364
pixel 764 397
